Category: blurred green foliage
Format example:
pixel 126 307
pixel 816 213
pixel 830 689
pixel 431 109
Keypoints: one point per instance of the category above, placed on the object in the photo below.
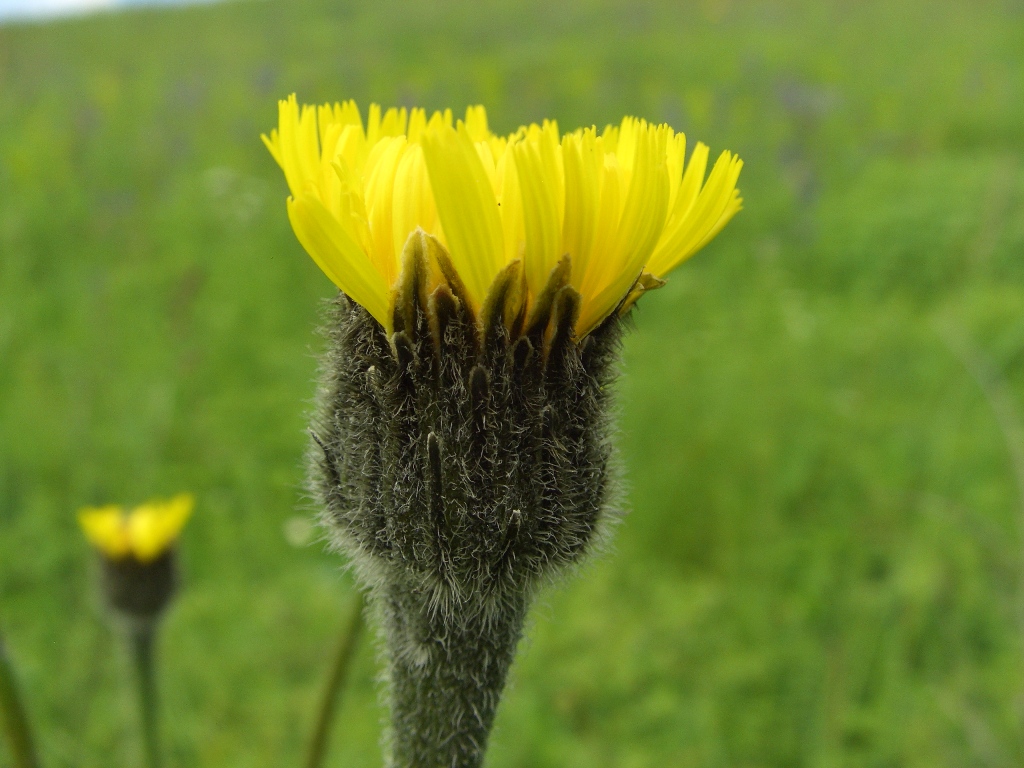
pixel 822 565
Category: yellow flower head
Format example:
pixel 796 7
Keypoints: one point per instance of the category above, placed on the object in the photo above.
pixel 624 204
pixel 144 533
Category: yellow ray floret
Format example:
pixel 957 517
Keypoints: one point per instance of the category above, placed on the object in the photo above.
pixel 622 203
pixel 144 533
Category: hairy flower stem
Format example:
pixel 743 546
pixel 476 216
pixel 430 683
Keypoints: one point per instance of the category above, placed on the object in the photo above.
pixel 142 638
pixel 447 673
pixel 12 715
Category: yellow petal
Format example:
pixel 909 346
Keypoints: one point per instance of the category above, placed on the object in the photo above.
pixel 734 206
pixel 540 214
pixel 297 144
pixel 417 124
pixel 511 202
pixel 466 207
pixel 394 122
pixel 675 157
pixel 105 528
pixel 609 211
pixel 476 123
pixel 379 197
pixel 583 167
pixel 335 251
pixel 691 183
pixel 716 203
pixel 155 526
pixel 643 216
pixel 413 203
pixel 373 125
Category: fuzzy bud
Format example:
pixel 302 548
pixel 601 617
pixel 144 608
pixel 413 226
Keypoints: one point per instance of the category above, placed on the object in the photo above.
pixel 137 550
pixel 140 591
pixel 461 462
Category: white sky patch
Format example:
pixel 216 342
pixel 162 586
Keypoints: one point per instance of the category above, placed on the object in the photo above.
pixel 43 9
pixel 28 9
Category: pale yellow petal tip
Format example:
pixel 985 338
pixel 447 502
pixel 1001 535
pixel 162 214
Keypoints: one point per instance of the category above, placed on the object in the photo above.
pixel 144 533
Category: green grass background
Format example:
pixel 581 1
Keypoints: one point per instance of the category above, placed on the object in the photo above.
pixel 822 565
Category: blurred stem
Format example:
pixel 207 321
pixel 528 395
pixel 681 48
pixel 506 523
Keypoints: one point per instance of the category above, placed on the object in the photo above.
pixel 12 712
pixel 142 637
pixel 339 672
pixel 1008 417
pixel 1000 399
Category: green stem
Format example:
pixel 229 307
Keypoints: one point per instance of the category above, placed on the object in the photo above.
pixel 447 673
pixel 142 638
pixel 339 672
pixel 12 714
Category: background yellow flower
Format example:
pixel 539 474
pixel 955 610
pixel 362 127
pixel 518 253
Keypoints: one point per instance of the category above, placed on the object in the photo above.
pixel 144 533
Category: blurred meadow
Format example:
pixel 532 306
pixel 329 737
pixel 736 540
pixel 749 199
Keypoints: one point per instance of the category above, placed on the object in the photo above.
pixel 822 564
